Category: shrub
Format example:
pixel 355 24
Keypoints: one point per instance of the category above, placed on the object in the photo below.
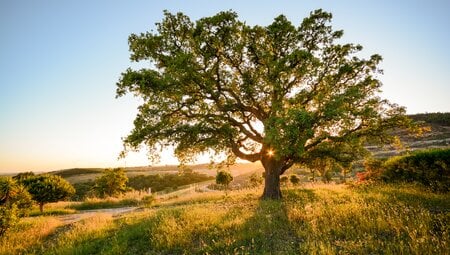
pixel 429 167
pixel 255 180
pixel 148 200
pixel 8 218
pixel 284 180
pixel 83 190
pixel 15 201
pixel 373 170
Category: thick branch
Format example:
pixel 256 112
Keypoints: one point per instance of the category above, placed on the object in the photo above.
pixel 250 157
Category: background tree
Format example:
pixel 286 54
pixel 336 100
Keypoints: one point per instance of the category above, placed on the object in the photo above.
pixel 112 182
pixel 294 179
pixel 255 180
pixel 272 94
pixel 47 188
pixel 224 178
pixel 284 180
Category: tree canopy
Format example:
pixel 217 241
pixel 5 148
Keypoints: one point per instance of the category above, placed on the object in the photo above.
pixel 48 188
pixel 112 182
pixel 275 94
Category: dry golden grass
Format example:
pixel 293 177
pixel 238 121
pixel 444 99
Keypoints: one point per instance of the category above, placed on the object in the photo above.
pixel 319 219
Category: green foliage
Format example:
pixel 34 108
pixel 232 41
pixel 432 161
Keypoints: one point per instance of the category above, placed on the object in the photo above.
pixel 326 219
pixel 429 167
pixel 224 178
pixel 214 82
pixel 8 217
pixel 159 182
pixel 93 203
pixel 373 169
pixel 83 190
pixel 440 118
pixel 294 179
pixel 112 183
pixel 15 201
pixel 22 176
pixel 284 180
pixel 48 188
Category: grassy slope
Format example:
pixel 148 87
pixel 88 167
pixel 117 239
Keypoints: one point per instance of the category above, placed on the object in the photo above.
pixel 317 220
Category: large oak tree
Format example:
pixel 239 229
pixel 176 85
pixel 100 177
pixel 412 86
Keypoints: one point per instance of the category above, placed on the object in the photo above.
pixel 276 94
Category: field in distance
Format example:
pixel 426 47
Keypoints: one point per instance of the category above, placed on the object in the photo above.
pixel 77 175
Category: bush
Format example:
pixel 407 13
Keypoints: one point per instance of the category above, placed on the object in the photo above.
pixel 224 178
pixel 148 200
pixel 83 190
pixel 8 218
pixel 255 180
pixel 15 201
pixel 284 180
pixel 430 167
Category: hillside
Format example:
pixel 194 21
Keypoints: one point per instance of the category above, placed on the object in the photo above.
pixel 437 137
pixel 319 219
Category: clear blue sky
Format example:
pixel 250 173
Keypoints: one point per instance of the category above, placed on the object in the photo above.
pixel 60 60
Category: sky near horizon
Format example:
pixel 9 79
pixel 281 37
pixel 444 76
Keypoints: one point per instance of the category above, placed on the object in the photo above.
pixel 60 61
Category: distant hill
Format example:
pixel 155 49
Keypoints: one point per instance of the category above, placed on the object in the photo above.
pixel 77 175
pixel 438 137
pixel 437 118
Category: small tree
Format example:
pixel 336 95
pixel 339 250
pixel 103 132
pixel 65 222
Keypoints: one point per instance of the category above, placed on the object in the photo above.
pixel 294 179
pixel 224 178
pixel 112 183
pixel 48 188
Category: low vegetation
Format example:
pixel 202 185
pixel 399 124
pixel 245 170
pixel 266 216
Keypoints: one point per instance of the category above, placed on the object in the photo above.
pixel 160 182
pixel 324 219
pixel 157 182
pixel 429 167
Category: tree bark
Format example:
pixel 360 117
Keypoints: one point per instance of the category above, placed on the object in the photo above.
pixel 273 168
pixel 41 207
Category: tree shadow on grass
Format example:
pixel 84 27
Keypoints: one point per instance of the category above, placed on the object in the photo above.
pixel 251 226
pixel 434 203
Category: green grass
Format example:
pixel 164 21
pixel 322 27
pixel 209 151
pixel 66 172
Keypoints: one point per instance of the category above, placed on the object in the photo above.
pixel 132 198
pixel 53 209
pixel 92 204
pixel 324 219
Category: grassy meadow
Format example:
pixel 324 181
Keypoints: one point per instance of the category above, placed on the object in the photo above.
pixel 319 219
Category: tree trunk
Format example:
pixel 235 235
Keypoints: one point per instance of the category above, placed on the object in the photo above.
pixel 41 207
pixel 272 169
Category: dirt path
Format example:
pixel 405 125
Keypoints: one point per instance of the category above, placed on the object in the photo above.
pixel 71 218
